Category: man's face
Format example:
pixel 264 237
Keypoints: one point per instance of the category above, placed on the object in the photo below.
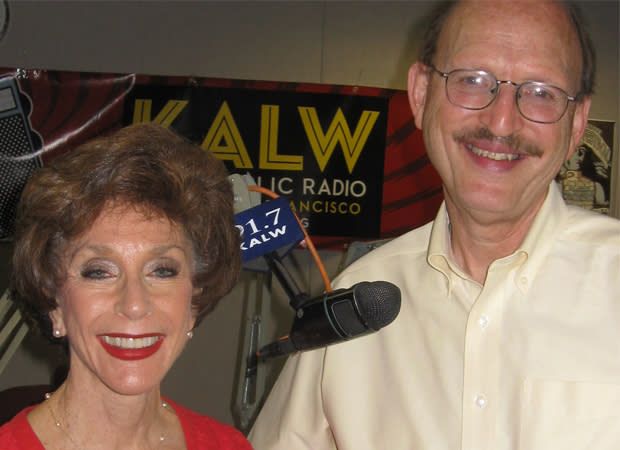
pixel 514 41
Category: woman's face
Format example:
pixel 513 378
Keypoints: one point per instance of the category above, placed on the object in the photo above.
pixel 126 303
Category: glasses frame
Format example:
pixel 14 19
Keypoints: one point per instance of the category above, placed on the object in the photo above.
pixel 445 75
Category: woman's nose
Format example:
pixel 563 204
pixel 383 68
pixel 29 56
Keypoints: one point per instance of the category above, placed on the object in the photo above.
pixel 134 300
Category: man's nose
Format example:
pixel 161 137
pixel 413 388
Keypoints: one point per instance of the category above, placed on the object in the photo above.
pixel 502 116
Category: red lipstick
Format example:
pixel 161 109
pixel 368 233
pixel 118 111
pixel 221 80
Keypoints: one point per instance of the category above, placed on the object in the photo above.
pixel 117 345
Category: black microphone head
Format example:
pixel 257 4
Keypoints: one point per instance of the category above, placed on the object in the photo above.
pixel 378 302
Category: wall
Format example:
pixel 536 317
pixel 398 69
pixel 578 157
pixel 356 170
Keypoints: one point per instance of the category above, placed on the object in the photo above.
pixel 339 42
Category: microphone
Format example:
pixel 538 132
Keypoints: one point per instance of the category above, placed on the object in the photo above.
pixel 339 316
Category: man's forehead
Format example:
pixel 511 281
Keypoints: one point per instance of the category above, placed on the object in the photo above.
pixel 506 10
pixel 541 27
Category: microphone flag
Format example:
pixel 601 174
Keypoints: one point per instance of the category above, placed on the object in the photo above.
pixel 266 228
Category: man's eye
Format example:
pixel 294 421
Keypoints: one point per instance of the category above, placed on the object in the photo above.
pixel 541 93
pixel 165 272
pixel 473 81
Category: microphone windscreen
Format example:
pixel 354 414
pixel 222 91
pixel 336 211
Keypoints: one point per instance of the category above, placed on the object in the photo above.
pixel 378 302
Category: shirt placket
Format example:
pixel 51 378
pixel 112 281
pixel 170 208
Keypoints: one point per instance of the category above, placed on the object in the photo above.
pixel 482 359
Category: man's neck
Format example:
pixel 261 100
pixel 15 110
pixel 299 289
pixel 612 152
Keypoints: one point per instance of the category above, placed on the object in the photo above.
pixel 477 242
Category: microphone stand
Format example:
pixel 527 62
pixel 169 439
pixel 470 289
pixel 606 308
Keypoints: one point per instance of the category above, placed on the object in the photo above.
pixel 297 299
pixel 296 296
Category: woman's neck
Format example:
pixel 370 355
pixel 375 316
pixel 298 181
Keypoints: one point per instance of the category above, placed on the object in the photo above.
pixel 87 418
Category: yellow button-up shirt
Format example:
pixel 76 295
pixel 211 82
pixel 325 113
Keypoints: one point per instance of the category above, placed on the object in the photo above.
pixel 530 360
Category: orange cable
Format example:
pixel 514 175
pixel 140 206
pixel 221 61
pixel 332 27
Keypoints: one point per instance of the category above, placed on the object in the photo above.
pixel 309 243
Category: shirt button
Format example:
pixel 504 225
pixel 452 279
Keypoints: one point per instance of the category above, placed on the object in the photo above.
pixel 483 321
pixel 480 401
pixel 523 281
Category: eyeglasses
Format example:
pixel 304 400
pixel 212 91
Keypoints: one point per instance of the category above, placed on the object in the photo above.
pixel 476 89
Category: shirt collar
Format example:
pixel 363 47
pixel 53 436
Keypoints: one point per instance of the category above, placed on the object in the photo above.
pixel 530 254
pixel 540 237
pixel 439 254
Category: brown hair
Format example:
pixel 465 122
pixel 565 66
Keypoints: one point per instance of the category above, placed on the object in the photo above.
pixel 145 166
pixel 588 67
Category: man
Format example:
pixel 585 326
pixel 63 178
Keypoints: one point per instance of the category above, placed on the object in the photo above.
pixel 508 333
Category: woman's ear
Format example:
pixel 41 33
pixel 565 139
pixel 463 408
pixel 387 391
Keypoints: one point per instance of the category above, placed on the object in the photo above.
pixel 193 311
pixel 197 291
pixel 417 86
pixel 58 323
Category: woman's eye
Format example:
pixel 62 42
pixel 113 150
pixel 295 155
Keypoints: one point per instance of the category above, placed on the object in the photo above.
pixel 95 274
pixel 165 272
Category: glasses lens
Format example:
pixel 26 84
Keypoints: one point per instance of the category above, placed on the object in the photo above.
pixel 476 89
pixel 472 89
pixel 541 102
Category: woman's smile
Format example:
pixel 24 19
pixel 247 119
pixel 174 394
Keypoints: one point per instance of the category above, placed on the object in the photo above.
pixel 131 348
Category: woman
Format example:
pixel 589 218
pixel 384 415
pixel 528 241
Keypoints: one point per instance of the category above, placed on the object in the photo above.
pixel 122 247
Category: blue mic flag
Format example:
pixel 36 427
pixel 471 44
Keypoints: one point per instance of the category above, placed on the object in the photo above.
pixel 268 227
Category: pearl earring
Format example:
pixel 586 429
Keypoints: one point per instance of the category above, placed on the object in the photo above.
pixel 57 333
pixel 190 334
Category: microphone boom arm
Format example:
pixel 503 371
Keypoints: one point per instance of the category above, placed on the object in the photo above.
pixel 296 296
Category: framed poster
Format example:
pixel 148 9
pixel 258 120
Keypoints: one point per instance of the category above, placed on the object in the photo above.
pixel 585 178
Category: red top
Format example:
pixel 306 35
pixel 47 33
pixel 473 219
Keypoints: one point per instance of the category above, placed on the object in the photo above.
pixel 201 432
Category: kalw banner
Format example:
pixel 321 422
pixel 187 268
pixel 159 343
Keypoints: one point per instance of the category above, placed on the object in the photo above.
pixel 348 159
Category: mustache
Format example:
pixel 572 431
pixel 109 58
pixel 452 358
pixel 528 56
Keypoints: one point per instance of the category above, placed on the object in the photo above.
pixel 513 141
